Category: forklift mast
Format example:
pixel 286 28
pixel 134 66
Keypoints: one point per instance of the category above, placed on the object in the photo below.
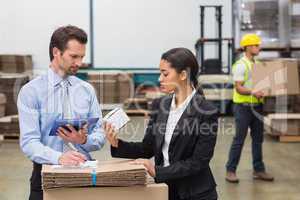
pixel 213 65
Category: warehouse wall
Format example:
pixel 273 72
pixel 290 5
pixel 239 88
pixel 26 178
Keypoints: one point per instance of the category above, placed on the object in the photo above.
pixel 26 26
pixel 128 33
pixel 136 32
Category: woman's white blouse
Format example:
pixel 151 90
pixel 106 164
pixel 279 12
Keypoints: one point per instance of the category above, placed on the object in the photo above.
pixel 174 116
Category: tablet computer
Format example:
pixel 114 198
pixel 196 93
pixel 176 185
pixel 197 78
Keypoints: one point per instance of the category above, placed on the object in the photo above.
pixel 76 123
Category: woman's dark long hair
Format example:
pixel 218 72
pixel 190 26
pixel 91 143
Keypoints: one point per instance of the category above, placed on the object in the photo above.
pixel 183 59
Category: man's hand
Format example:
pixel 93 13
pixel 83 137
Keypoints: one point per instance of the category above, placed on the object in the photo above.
pixel 147 164
pixel 76 137
pixel 71 158
pixel 111 134
pixel 258 94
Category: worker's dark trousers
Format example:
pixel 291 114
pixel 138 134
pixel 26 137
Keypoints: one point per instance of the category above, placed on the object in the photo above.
pixel 36 192
pixel 247 116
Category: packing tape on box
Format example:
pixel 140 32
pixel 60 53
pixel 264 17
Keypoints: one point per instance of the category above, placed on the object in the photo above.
pixel 94 177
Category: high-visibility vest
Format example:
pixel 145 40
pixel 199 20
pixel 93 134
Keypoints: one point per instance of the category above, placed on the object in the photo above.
pixel 237 97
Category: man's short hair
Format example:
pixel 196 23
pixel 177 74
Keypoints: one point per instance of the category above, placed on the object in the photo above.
pixel 63 35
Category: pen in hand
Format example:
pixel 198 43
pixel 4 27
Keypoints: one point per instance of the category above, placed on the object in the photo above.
pixel 72 147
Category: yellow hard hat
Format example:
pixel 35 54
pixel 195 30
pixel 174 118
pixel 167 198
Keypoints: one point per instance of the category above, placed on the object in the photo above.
pixel 250 39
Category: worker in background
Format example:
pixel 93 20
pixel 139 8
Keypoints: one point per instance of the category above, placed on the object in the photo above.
pixel 247 112
pixel 58 95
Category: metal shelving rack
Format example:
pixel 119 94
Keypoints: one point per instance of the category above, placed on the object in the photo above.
pixel 284 51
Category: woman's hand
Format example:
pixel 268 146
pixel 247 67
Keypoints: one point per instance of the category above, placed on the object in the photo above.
pixel 111 134
pixel 148 164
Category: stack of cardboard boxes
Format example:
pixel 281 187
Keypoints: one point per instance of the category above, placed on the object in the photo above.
pixel 106 174
pixel 15 71
pixel 9 126
pixel 105 86
pixel 283 124
pixel 10 85
pixel 282 104
pixel 16 64
pixel 111 88
pixel 279 80
pixel 125 86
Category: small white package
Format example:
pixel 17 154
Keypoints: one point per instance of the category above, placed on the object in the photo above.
pixel 117 117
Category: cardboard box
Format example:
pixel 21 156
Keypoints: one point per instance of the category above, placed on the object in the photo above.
pixel 105 90
pixel 282 104
pixel 125 87
pixel 277 77
pixel 10 85
pixel 98 86
pixel 149 192
pixel 16 63
pixel 102 76
pixel 283 124
pixel 111 173
pixel 9 125
pixel 110 91
pixel 112 88
pixel 120 169
pixel 7 58
pixel 11 109
pixel 12 68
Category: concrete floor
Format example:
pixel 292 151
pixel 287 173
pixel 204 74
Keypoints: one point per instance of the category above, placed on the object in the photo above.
pixel 282 160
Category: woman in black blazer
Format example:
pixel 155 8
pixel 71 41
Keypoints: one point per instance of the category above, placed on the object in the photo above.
pixel 181 133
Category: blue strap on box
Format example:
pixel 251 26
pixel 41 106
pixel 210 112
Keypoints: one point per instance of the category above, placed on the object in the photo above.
pixel 94 177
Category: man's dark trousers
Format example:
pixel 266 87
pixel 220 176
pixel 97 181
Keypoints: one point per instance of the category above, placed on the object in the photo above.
pixel 247 116
pixel 36 192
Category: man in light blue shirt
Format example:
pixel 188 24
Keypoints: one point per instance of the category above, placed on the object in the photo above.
pixel 42 101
